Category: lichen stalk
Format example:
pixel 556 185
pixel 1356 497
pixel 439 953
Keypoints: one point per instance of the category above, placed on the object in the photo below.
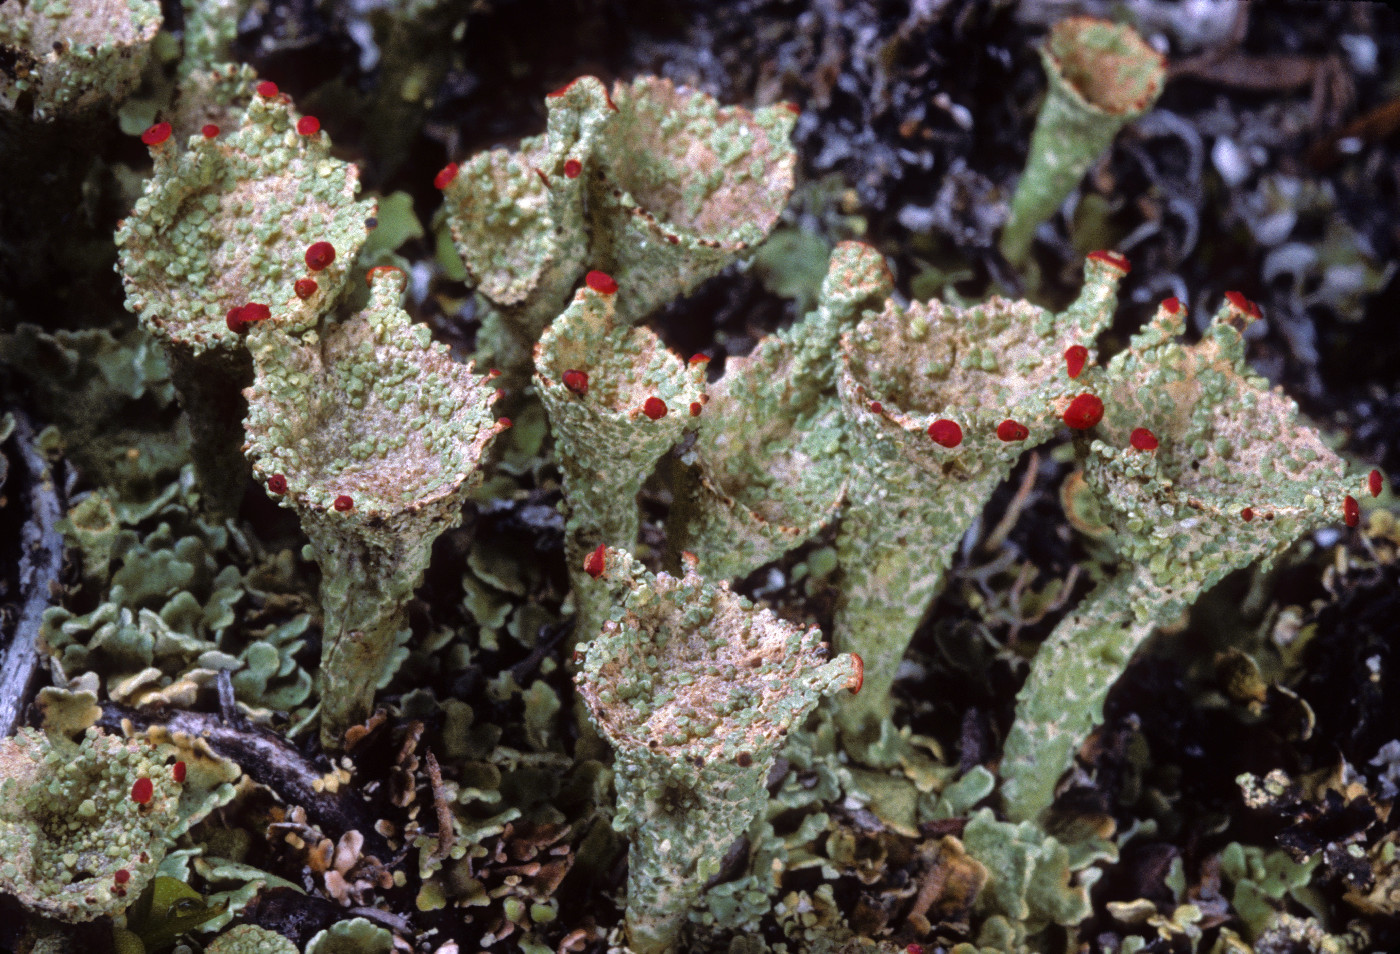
pixel 769 464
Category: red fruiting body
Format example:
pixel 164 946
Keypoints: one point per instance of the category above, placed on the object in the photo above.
pixel 914 949
pixel 177 772
pixel 600 282
pixel 695 407
pixel 876 407
pixel 156 135
pixel 308 125
pixel 142 790
pixel 1375 484
pixel 503 421
pixel 1084 412
pixel 210 131
pixel 445 176
pixel 699 359
pixel 493 373
pixel 319 255
pixel 305 288
pixel 1351 511
pixel 344 503
pixel 1075 356
pixel 267 89
pixel 793 108
pixel 561 90
pixel 234 320
pixel 121 876
pixel 378 270
pixel 596 562
pixel 572 168
pixel 858 677
pixel 1242 303
pixel 277 484
pixel 1172 305
pixel 1142 439
pixel 1247 514
pixel 1112 258
pixel 576 381
pixel 1009 430
pixel 945 433
pixel 654 408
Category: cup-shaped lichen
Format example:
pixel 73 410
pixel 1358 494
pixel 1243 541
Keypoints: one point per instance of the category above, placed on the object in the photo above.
pixel 257 224
pixel 769 462
pixel 1201 469
pixel 84 826
pixel 518 223
pixel 658 187
pixel 617 398
pixel 67 55
pixel 682 186
pixel 696 690
pixel 1102 75
pixel 942 401
pixel 374 436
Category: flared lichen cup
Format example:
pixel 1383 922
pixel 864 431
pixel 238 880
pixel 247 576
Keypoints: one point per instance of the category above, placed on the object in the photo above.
pixel 696 690
pixel 375 437
pixel 1201 469
pixel 941 401
pixel 255 224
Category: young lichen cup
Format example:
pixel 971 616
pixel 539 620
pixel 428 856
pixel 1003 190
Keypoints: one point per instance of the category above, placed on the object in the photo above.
pixel 768 468
pixel 1101 75
pixel 617 399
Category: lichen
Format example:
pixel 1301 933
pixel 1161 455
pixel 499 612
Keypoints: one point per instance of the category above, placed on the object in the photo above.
pixel 83 826
pixel 617 399
pixel 941 402
pixel 374 436
pixel 1230 476
pixel 695 690
pixel 68 56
